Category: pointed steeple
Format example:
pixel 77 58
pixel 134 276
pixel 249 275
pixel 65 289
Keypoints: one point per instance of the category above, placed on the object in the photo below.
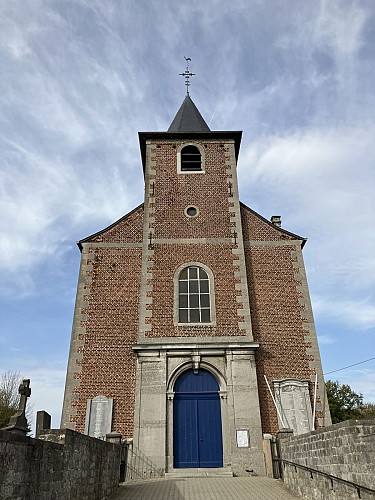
pixel 188 118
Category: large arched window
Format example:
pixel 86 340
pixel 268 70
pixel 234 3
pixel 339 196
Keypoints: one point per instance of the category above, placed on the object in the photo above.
pixel 191 160
pixel 194 296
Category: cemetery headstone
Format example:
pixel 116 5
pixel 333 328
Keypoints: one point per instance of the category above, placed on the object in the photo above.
pixel 43 421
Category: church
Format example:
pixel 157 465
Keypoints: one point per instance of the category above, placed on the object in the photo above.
pixel 193 332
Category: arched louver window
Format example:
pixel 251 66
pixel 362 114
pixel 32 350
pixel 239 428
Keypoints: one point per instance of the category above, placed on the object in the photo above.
pixel 194 296
pixel 191 159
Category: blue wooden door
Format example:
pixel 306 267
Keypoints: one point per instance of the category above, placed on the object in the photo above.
pixel 197 436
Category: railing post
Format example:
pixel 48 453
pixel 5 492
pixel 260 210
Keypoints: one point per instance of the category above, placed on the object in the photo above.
pixel 281 434
pixel 269 453
pixel 115 438
pixel 124 461
pixel 135 465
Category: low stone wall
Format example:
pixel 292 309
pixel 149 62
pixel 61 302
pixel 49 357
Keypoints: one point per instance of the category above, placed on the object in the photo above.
pixel 345 450
pixel 61 464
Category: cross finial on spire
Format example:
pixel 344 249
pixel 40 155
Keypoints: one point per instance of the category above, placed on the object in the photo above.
pixel 187 74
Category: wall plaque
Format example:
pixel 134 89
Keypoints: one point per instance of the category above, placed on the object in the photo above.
pixel 99 417
pixel 293 399
pixel 242 437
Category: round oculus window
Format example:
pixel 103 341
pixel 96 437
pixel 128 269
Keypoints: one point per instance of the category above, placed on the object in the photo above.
pixel 191 211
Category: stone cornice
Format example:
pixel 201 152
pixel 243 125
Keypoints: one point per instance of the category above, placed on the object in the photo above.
pixel 218 347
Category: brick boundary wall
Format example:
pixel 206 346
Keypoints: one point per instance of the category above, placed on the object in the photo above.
pixel 63 464
pixel 345 450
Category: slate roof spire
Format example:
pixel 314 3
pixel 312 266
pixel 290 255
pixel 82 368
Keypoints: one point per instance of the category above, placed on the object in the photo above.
pixel 188 118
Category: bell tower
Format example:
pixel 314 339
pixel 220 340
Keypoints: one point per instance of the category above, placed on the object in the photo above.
pixel 194 303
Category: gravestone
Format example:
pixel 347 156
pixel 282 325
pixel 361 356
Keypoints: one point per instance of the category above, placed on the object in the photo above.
pixel 18 422
pixel 43 421
pixel 293 399
pixel 99 416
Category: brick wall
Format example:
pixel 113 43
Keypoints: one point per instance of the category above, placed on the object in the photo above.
pixel 219 258
pixel 345 450
pixel 108 362
pixel 178 239
pixel 279 310
pixel 106 325
pixel 128 229
pixel 208 191
pixel 73 466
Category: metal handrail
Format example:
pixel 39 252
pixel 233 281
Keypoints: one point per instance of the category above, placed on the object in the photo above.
pixel 135 464
pixel 332 478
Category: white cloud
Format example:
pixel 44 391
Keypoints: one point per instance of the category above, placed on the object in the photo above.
pixel 362 381
pixel 326 339
pixel 47 382
pixel 323 180
pixel 366 385
pixel 339 27
pixel 357 314
pixel 45 203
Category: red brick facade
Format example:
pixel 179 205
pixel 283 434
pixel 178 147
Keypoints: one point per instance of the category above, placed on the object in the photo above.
pixel 208 191
pixel 108 302
pixel 126 294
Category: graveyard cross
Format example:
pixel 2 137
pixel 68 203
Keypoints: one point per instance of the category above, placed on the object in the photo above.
pixel 25 392
pixel 18 422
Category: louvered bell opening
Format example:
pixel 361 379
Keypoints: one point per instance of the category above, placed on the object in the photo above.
pixel 191 159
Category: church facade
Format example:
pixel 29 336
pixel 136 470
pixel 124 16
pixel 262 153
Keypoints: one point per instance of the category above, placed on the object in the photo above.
pixel 193 324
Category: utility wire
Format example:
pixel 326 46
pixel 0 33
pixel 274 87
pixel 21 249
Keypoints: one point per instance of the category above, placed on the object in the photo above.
pixel 345 367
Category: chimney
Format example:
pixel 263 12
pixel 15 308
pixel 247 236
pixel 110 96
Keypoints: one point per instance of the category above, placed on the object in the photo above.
pixel 276 220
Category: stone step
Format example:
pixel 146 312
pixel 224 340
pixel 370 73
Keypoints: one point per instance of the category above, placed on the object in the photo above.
pixel 201 472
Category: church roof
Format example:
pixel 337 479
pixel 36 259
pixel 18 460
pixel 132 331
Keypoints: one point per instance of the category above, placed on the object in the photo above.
pixel 188 118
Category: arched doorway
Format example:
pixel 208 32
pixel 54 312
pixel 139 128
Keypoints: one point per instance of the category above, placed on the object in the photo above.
pixel 197 434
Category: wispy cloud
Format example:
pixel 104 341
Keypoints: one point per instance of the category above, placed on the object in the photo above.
pixel 362 381
pixel 326 339
pixel 356 313
pixel 79 79
pixel 323 180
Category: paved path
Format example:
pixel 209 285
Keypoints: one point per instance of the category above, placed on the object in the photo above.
pixel 207 488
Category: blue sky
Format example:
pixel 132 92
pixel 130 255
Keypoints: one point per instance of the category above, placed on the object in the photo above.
pixel 81 78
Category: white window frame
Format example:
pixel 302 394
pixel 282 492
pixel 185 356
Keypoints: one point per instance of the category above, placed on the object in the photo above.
pixel 188 172
pixel 211 295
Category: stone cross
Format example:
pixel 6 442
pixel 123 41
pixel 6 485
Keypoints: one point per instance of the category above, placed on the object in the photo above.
pixel 18 422
pixel 25 392
pixel 187 74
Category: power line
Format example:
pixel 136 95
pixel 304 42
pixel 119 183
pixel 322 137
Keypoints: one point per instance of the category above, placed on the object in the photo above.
pixel 345 367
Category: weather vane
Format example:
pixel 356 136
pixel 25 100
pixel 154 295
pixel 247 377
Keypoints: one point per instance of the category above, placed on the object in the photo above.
pixel 187 74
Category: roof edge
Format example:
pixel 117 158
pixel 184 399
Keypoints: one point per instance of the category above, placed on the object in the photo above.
pixel 85 240
pixel 284 231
